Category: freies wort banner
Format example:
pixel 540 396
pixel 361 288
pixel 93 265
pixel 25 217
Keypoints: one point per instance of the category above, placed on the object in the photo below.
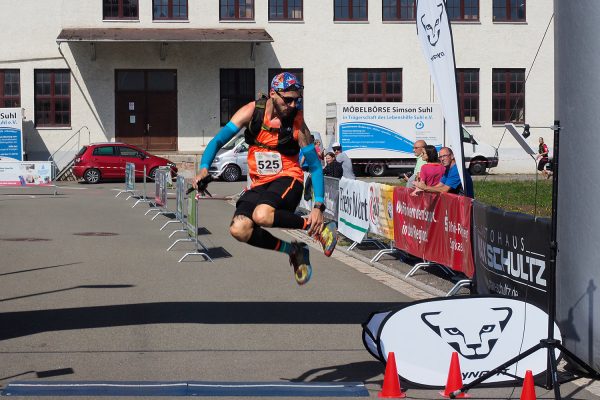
pixel 512 253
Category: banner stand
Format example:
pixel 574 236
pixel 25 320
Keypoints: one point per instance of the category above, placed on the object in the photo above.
pixel 129 180
pixel 191 223
pixel 179 196
pixel 160 197
pixel 375 242
pixel 144 198
pixel 391 250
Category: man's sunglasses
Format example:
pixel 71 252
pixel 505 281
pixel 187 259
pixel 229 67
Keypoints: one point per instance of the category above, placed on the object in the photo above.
pixel 289 100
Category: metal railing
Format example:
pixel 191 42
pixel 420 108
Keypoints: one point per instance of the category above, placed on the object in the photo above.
pixel 69 149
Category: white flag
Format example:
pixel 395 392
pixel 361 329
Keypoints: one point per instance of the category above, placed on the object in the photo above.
pixel 433 30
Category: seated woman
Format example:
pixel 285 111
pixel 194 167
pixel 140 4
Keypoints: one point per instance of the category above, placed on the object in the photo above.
pixel 432 171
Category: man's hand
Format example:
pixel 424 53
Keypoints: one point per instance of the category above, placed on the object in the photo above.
pixel 315 220
pixel 201 175
pixel 405 177
pixel 420 185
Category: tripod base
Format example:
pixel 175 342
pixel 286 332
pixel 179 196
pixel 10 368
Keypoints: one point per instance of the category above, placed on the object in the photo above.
pixel 552 381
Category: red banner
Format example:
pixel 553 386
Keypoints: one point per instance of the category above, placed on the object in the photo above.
pixel 435 227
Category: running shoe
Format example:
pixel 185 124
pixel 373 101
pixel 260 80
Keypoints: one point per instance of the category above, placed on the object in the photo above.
pixel 328 238
pixel 300 261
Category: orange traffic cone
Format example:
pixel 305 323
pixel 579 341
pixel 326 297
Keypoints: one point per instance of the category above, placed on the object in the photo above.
pixel 528 392
pixel 391 382
pixel 454 381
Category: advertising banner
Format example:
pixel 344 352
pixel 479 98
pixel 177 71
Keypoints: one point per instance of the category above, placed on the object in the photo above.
pixel 11 134
pixel 512 253
pixel 390 128
pixel 332 195
pixel 160 182
pixel 381 210
pixel 485 331
pixel 25 173
pixel 434 227
pixel 179 197
pixel 306 205
pixel 192 220
pixel 129 176
pixel 353 210
pixel 435 35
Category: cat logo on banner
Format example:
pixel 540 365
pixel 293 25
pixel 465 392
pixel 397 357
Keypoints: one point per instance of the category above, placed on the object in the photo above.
pixel 485 331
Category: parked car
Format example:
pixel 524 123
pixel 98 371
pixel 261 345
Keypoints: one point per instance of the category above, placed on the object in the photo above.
pixel 231 161
pixel 99 161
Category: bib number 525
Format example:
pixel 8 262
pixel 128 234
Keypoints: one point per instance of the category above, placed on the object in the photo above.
pixel 268 163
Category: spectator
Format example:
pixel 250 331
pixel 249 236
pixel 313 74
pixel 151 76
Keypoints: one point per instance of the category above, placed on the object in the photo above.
pixel 450 181
pixel 319 149
pixel 332 167
pixel 432 171
pixel 343 159
pixel 419 150
pixel 543 157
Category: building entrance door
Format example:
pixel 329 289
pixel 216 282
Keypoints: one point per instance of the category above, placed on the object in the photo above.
pixel 146 108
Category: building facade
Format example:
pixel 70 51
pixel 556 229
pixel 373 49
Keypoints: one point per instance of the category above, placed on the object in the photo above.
pixel 167 74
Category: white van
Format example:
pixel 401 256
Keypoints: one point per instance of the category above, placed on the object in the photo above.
pixel 231 161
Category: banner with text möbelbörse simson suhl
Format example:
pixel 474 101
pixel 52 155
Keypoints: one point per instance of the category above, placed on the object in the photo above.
pixel 512 253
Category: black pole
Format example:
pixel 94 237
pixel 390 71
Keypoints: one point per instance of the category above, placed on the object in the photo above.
pixel 553 254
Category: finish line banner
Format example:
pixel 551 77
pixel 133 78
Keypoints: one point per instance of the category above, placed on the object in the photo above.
pixel 512 253
pixel 435 227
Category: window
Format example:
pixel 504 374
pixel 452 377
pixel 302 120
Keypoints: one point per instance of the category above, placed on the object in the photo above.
pixel 52 97
pixel 274 71
pixel 129 152
pixel 468 94
pixel 104 151
pixel 120 9
pixel 350 10
pixel 169 9
pixel 509 10
pixel 368 84
pixel 237 89
pixel 508 96
pixel 399 10
pixel 10 88
pixel 463 10
pixel 285 10
pixel 236 9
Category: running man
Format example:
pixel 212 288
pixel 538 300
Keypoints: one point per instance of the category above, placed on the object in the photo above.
pixel 275 132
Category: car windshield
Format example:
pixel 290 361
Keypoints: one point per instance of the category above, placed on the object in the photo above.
pixel 80 153
pixel 236 140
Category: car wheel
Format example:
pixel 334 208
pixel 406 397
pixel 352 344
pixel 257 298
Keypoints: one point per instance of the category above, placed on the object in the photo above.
pixel 91 175
pixel 377 169
pixel 152 173
pixel 477 167
pixel 231 173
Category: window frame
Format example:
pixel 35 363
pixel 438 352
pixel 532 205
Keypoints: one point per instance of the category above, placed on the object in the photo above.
pixel 96 151
pixel 170 9
pixel 4 98
pixel 398 12
pixel 365 96
pixel 120 16
pixel 507 9
pixel 236 5
pixel 52 97
pixel 462 95
pixel 286 7
pixel 507 96
pixel 462 11
pixel 237 99
pixel 350 6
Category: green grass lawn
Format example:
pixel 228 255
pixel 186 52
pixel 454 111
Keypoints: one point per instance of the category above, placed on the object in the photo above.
pixel 518 196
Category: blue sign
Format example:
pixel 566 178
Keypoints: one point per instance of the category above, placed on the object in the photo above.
pixel 360 135
pixel 11 134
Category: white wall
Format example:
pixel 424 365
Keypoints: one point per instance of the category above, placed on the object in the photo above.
pixel 323 48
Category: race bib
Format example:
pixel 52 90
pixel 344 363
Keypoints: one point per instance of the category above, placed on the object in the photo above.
pixel 268 163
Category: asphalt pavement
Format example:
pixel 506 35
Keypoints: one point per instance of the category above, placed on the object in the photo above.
pixel 89 292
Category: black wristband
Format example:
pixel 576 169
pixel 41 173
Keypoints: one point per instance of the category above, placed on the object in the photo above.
pixel 320 207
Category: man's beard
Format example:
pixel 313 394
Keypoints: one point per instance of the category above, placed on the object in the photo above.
pixel 283 112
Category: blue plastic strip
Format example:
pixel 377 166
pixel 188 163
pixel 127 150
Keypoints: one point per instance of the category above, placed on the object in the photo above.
pixel 247 389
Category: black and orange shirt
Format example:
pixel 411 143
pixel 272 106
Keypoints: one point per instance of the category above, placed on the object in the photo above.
pixel 266 165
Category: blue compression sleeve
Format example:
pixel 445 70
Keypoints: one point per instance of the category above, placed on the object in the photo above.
pixel 224 135
pixel 316 170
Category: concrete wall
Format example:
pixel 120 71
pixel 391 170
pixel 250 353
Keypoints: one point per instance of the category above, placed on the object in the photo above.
pixel 323 48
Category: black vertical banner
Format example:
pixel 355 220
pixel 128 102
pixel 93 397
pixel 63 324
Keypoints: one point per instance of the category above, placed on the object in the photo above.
pixel 512 253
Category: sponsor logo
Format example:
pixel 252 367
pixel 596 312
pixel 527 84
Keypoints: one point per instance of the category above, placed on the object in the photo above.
pixel 431 24
pixel 373 206
pixel 473 338
pixel 420 125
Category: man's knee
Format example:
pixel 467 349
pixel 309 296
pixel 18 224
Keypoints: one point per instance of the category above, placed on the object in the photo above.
pixel 241 228
pixel 263 215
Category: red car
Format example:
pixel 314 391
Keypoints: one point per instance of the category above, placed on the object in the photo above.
pixel 107 161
